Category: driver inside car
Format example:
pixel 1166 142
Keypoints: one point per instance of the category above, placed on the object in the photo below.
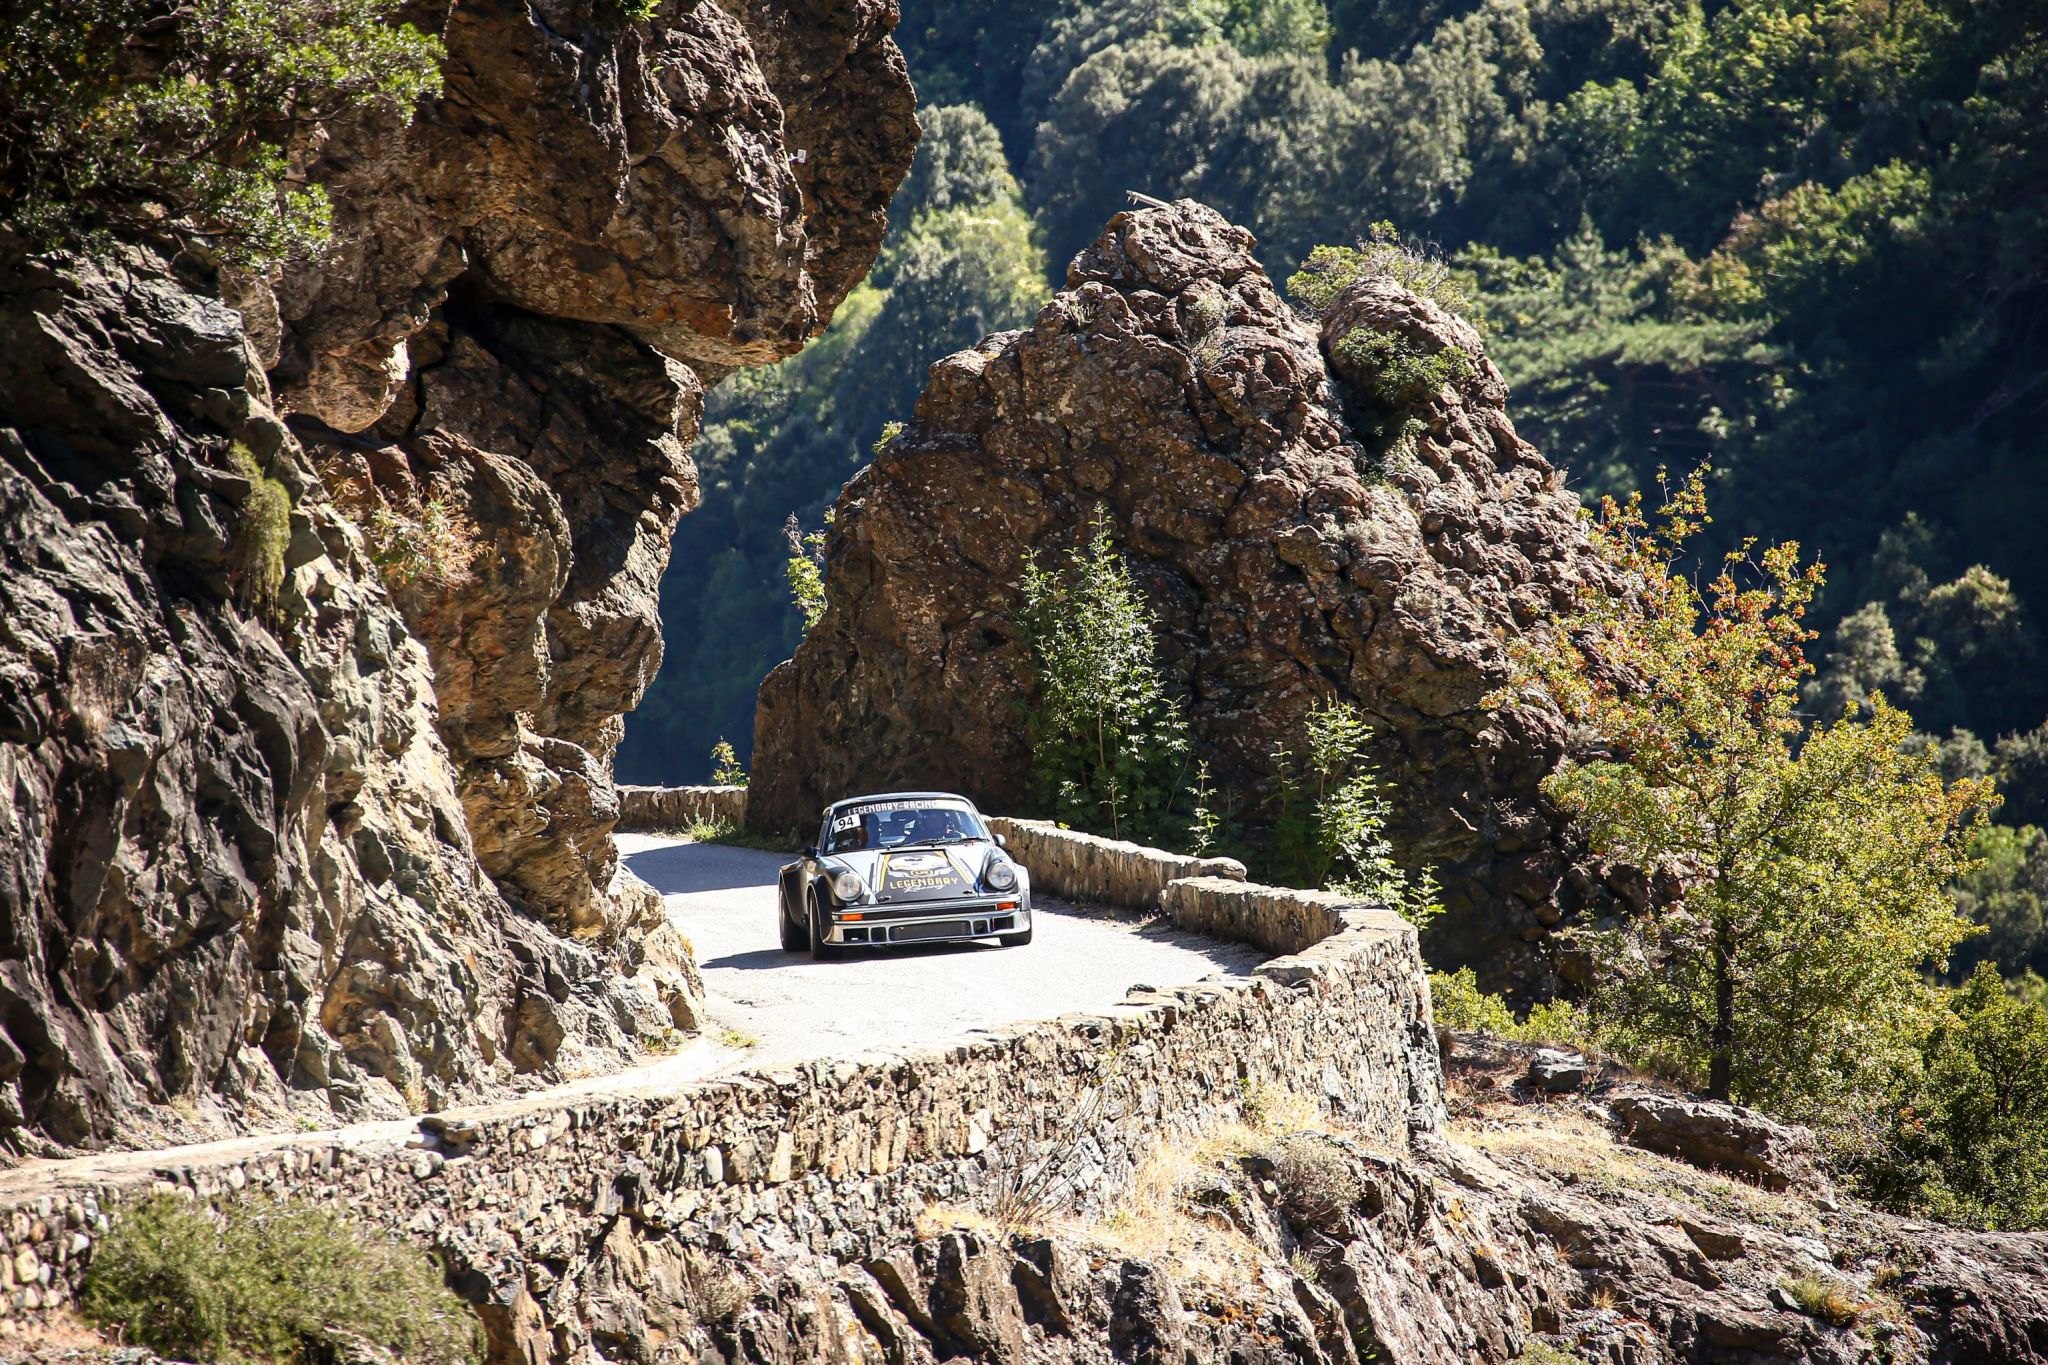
pixel 933 826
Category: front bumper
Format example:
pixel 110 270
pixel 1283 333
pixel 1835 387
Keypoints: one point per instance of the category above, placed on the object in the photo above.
pixel 948 922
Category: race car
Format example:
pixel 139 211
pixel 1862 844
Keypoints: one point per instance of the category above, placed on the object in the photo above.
pixel 898 868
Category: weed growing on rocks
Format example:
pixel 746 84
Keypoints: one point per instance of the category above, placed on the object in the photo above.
pixel 272 1281
pixel 261 538
pixel 1318 1187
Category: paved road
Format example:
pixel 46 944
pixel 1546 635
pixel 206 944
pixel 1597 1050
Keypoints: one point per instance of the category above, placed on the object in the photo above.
pixel 723 899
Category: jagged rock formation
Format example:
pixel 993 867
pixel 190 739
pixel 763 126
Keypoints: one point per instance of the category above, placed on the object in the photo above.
pixel 1290 554
pixel 322 595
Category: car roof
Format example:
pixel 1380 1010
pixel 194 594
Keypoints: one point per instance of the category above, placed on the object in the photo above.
pixel 902 796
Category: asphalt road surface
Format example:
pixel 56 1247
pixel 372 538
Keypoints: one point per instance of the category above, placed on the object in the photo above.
pixel 794 1009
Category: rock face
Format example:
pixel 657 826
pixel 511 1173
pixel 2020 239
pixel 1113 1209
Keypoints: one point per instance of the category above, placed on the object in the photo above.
pixel 1290 555
pixel 321 595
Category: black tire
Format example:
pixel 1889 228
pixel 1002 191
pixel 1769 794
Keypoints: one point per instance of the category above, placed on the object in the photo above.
pixel 821 951
pixel 796 938
pixel 1016 940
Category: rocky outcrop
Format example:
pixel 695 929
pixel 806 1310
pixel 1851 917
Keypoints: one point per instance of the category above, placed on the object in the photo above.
pixel 1722 1137
pixel 322 594
pixel 1308 519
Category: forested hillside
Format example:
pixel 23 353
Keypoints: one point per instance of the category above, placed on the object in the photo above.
pixel 1803 240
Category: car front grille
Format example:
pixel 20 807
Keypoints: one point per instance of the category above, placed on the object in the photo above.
pixel 940 928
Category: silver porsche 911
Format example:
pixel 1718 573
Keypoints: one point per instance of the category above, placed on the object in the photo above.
pixel 902 867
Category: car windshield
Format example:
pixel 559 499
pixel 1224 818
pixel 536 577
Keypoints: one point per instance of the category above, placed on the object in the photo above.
pixel 892 824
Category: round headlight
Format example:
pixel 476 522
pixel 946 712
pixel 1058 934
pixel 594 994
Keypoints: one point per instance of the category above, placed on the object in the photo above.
pixel 846 885
pixel 1000 875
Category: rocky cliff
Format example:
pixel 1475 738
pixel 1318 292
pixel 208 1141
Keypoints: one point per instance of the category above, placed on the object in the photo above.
pixel 1306 521
pixel 321 594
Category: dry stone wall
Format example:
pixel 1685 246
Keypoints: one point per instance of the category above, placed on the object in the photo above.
pixel 1092 870
pixel 551 1213
pixel 1278 918
pixel 662 808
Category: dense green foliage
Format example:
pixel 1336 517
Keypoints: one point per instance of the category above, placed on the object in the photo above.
pixel 1458 1003
pixel 1814 860
pixel 173 121
pixel 1109 746
pixel 267 1283
pixel 1968 1139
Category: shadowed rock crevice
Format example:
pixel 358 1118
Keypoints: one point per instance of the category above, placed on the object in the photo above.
pixel 1303 528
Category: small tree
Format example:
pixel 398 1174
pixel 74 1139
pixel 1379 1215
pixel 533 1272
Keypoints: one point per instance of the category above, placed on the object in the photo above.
pixel 726 769
pixel 1814 865
pixel 1330 830
pixel 1108 742
pixel 806 568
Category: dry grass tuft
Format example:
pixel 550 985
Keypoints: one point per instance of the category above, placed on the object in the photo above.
pixel 1829 1300
pixel 936 1220
pixel 1318 1187
pixel 715 1290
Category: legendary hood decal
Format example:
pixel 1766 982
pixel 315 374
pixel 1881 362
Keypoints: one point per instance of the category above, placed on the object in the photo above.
pixel 921 874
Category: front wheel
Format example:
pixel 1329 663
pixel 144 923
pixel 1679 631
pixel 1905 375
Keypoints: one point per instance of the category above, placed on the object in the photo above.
pixel 796 938
pixel 821 951
pixel 1016 940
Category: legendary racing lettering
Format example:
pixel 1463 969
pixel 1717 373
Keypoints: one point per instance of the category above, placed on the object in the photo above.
pixel 852 815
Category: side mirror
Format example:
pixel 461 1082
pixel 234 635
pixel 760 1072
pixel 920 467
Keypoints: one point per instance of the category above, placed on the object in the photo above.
pixel 811 852
pixel 1001 842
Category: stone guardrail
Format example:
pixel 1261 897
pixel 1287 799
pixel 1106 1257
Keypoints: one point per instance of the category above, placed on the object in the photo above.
pixel 664 808
pixel 1279 919
pixel 525 1199
pixel 1091 870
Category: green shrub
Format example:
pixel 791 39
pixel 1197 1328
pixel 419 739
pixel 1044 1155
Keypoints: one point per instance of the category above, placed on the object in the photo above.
pixel 1968 1141
pixel 271 1283
pixel 1458 1003
pixel 261 538
pixel 1538 1352
pixel 1397 372
pixel 1384 254
pixel 138 117
pixel 806 569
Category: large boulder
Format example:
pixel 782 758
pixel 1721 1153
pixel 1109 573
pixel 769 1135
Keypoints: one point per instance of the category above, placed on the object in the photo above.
pixel 1717 1136
pixel 1304 526
pixel 322 593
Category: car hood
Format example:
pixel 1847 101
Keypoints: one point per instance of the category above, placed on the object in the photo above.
pixel 899 876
